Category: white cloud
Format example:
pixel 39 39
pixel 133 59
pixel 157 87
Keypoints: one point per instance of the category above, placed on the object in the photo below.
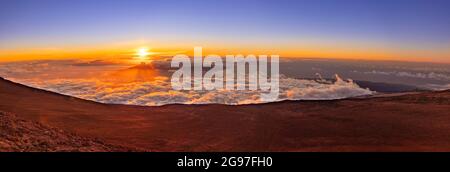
pixel 419 75
pixel 437 87
pixel 158 91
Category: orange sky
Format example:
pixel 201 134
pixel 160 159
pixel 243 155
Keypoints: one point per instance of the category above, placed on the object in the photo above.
pixel 401 31
pixel 128 49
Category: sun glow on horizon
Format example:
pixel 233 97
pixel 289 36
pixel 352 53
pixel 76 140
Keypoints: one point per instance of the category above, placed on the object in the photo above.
pixel 143 53
pixel 140 52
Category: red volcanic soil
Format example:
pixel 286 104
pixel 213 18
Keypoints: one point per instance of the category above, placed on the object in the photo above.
pixel 18 135
pixel 413 122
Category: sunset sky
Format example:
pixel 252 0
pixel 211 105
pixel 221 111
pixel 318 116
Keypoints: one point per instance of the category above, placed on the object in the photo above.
pixel 407 30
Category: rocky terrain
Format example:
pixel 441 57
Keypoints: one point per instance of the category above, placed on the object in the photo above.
pixel 18 135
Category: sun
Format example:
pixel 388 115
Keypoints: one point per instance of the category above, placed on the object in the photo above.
pixel 142 52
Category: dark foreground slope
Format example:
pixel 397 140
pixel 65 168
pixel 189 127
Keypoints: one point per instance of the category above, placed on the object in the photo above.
pixel 414 122
pixel 18 135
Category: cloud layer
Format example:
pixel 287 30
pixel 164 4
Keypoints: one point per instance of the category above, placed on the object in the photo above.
pixel 159 91
pixel 78 79
pixel 420 75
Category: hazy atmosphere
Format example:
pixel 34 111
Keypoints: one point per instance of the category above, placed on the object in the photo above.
pixel 407 30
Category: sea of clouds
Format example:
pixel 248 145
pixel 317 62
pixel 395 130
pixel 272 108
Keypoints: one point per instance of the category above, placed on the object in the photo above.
pixel 66 77
pixel 420 75
pixel 160 92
